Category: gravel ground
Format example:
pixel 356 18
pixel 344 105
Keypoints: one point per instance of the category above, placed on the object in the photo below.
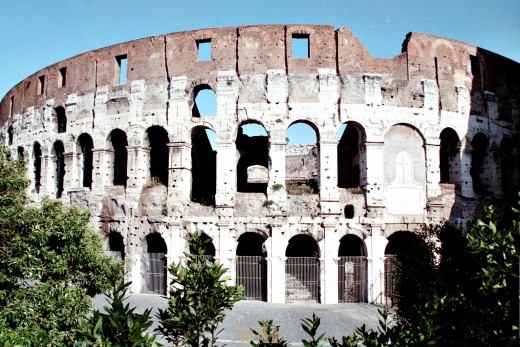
pixel 336 320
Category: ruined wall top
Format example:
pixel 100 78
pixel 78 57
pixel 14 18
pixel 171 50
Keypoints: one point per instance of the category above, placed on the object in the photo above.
pixel 253 50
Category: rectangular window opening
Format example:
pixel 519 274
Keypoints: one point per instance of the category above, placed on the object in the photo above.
pixel 122 63
pixel 475 65
pixel 11 109
pixel 41 84
pixel 300 46
pixel 62 77
pixel 204 50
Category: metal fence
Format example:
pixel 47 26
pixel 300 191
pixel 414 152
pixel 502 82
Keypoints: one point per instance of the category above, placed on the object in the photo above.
pixel 251 272
pixel 302 279
pixel 389 297
pixel 157 273
pixel 352 279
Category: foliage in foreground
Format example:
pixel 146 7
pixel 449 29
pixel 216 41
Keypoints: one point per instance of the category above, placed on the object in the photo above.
pixel 470 297
pixel 198 297
pixel 119 325
pixel 50 261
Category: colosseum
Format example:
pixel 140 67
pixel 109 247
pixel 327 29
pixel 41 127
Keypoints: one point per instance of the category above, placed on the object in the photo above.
pixel 429 135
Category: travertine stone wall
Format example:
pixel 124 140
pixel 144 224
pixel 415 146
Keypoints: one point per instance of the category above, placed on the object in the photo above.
pixel 398 108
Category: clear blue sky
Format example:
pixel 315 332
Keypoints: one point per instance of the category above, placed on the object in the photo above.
pixel 37 33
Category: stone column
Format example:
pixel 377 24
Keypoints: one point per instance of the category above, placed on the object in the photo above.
pixel 495 172
pixel 491 105
pixel 330 262
pixel 466 181
pixel 51 175
pixel 374 178
pixel 137 169
pixel 179 171
pixel 69 159
pixel 227 244
pixel 376 244
pixel 329 194
pixel 277 190
pixel 433 173
pixel 276 266
pixel 226 176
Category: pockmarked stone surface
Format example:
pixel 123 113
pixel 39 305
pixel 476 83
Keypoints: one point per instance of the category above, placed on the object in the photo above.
pixel 124 132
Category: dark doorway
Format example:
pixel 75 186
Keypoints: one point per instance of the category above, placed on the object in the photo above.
pixel 251 266
pixel 302 270
pixel 352 270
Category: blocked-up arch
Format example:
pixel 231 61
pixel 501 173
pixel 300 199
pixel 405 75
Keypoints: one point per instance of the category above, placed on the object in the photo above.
pixel 203 166
pixel 118 157
pixel 85 148
pixel 449 156
pixel 404 170
pixel 253 153
pixel 156 264
pixel 480 164
pixel 37 155
pixel 352 270
pixel 204 101
pixel 302 158
pixel 302 269
pixel 351 159
pixel 58 152
pixel 159 155
pixel 251 266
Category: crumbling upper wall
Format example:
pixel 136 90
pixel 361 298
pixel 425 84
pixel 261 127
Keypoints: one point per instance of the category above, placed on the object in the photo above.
pixel 251 52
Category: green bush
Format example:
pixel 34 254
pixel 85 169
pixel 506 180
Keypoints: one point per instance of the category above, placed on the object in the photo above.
pixel 198 297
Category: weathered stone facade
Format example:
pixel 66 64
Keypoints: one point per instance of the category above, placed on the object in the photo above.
pixel 431 134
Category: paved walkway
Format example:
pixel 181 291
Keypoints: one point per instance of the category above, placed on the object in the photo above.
pixel 336 320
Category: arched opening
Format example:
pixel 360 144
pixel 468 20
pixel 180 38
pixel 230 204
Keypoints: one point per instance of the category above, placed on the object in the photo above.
pixel 404 250
pixel 60 167
pixel 20 152
pixel 10 134
pixel 508 162
pixel 449 156
pixel 351 137
pixel 61 119
pixel 208 249
pixel 352 270
pixel 118 143
pixel 302 270
pixel 156 265
pixel 251 266
pixel 203 166
pixel 301 159
pixel 37 154
pixel 86 145
pixel 116 245
pixel 159 155
pixel 480 164
pixel 253 151
pixel 205 102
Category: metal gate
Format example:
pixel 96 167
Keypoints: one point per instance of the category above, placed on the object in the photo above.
pixel 389 295
pixel 302 279
pixel 352 279
pixel 157 273
pixel 252 274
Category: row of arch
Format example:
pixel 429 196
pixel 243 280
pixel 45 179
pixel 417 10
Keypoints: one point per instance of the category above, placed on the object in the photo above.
pixel 302 264
pixel 253 151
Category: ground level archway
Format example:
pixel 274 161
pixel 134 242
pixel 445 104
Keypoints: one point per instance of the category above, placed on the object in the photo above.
pixel 352 270
pixel 302 270
pixel 251 266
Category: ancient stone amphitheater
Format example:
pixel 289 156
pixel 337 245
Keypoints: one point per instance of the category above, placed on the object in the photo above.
pixel 430 134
